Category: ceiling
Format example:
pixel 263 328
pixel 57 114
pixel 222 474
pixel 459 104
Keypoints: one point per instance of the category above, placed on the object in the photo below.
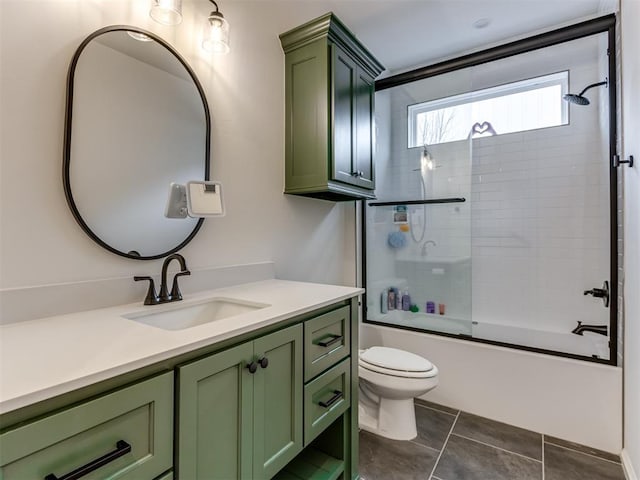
pixel 404 34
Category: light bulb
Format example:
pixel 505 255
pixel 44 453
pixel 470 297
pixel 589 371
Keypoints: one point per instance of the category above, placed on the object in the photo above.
pixel 426 162
pixel 216 34
pixel 166 12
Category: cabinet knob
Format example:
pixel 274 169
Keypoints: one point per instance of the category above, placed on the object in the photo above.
pixel 356 174
pixel 252 367
pixel 264 362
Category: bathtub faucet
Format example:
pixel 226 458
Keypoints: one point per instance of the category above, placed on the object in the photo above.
pixel 425 245
pixel 601 329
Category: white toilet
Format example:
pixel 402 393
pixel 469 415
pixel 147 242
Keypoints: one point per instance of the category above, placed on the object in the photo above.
pixel 389 381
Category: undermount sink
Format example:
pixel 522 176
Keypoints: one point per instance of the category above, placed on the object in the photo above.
pixel 179 317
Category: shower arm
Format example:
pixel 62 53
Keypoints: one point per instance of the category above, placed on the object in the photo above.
pixel 591 86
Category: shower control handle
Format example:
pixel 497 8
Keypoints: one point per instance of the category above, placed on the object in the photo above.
pixel 602 293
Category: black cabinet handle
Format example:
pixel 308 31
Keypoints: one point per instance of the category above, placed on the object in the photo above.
pixel 328 343
pixel 337 395
pixel 122 448
pixel 252 367
pixel 264 362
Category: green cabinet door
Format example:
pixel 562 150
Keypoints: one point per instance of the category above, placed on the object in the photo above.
pixel 234 424
pixel 353 110
pixel 215 417
pixel 364 126
pixel 277 401
pixel 344 125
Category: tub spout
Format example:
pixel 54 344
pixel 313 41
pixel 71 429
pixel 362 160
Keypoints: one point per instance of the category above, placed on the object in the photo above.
pixel 601 329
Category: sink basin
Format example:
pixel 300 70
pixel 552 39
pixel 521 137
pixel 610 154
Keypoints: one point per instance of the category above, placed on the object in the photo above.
pixel 179 317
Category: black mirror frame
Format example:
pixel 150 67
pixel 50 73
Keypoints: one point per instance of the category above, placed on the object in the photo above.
pixel 67 138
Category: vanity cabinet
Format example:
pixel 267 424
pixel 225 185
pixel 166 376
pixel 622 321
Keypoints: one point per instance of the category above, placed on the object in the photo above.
pixel 237 422
pixel 329 101
pixel 278 403
pixel 129 430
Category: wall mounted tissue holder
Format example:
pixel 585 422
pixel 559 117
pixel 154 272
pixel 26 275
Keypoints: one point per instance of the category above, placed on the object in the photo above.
pixel 195 199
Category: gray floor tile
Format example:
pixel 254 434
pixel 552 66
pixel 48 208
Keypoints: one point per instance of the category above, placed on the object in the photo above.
pixel 384 459
pixel 582 448
pixel 433 427
pixel 501 435
pixel 563 464
pixel 436 406
pixel 465 459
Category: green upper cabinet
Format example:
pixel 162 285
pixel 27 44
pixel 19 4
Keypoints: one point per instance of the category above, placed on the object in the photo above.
pixel 329 101
pixel 240 410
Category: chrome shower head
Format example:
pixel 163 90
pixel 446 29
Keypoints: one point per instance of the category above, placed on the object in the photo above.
pixel 580 99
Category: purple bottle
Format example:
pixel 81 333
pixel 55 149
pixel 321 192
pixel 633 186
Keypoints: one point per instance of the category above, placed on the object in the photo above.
pixel 431 307
pixel 406 301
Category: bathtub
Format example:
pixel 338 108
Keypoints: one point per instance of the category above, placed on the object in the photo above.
pixel 589 344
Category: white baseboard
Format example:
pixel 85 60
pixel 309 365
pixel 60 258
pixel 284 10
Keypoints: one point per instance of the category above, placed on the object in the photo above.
pixel 627 466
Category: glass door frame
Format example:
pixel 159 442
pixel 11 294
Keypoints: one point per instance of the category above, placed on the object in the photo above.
pixel 604 24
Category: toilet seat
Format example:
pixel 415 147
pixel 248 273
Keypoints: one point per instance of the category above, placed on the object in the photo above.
pixel 394 362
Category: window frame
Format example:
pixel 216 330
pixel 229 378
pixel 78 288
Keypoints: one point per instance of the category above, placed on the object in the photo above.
pixel 560 78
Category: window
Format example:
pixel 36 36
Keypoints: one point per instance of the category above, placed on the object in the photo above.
pixel 515 107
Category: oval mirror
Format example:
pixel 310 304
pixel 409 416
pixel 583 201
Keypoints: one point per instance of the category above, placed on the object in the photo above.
pixel 136 120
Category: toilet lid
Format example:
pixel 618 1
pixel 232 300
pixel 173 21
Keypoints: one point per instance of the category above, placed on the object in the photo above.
pixel 394 359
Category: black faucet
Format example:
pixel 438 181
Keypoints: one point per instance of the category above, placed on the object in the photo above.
pixel 152 298
pixel 601 329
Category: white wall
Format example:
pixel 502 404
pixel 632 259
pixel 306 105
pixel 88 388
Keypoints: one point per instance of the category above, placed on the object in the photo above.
pixel 40 243
pixel 630 10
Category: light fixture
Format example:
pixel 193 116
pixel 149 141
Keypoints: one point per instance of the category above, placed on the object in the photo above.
pixel 166 12
pixel 426 161
pixel 216 32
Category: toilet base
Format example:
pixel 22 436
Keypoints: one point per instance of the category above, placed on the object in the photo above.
pixel 394 419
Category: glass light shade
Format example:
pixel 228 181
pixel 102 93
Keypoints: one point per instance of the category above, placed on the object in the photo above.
pixel 166 12
pixel 216 34
pixel 426 161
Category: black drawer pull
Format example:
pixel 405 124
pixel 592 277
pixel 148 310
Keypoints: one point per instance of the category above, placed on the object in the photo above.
pixel 122 448
pixel 328 343
pixel 337 395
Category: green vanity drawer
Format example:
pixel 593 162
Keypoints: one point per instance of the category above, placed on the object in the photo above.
pixel 326 341
pixel 325 399
pixel 139 417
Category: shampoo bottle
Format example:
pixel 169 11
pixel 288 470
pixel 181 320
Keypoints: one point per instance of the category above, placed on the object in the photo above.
pixel 406 301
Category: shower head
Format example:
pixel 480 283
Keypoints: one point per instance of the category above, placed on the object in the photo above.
pixel 576 99
pixel 580 99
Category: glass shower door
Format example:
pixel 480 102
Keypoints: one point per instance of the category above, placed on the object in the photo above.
pixel 418 232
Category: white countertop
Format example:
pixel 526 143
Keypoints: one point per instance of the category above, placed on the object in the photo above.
pixel 43 358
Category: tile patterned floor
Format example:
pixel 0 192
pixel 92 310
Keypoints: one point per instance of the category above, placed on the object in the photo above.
pixel 454 445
